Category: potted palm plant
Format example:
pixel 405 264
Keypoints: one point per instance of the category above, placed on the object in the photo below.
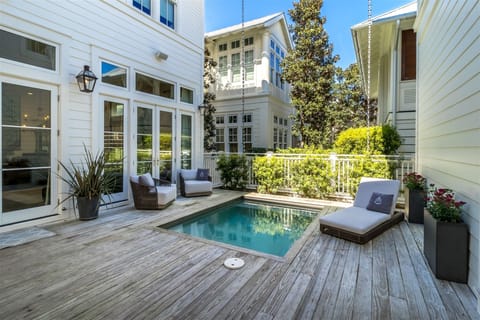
pixel 87 182
pixel 445 242
pixel 414 193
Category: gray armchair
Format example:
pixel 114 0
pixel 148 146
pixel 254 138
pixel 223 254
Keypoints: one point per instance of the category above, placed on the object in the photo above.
pixel 152 194
pixel 195 182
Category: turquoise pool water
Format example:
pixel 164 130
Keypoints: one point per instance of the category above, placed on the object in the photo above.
pixel 257 226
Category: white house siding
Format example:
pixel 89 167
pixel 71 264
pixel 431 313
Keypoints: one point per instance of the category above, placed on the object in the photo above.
pixel 448 141
pixel 88 32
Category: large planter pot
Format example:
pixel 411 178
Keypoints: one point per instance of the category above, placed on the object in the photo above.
pixel 88 208
pixel 414 205
pixel 445 246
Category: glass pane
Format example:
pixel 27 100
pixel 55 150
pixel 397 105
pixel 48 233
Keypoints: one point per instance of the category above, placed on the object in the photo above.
pixel 26 147
pixel 166 145
pixel 113 142
pixel 144 140
pixel 154 86
pixel 186 143
pixel 186 95
pixel 18 48
pixel 114 75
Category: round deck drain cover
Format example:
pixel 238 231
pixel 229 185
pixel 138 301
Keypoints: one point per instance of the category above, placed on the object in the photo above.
pixel 234 263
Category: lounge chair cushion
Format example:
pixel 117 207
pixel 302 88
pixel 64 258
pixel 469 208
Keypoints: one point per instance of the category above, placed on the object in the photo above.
pixel 146 180
pixel 165 194
pixel 202 174
pixel 189 174
pixel 197 186
pixel 354 219
pixel 380 202
pixel 370 185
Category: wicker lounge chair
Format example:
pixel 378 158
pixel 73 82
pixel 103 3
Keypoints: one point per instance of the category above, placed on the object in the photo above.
pixel 152 194
pixel 363 221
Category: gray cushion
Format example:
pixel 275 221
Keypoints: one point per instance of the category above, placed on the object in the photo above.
pixel 380 202
pixel 197 186
pixel 368 186
pixel 202 174
pixel 189 174
pixel 146 180
pixel 354 219
pixel 165 194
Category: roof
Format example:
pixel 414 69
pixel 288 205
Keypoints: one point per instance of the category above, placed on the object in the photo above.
pixel 405 11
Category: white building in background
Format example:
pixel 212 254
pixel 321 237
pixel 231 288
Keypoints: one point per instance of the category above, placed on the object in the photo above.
pixel 261 121
pixel 148 57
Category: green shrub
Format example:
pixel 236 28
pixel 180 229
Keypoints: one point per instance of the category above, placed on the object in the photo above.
pixel 367 166
pixel 384 140
pixel 233 171
pixel 312 177
pixel 269 173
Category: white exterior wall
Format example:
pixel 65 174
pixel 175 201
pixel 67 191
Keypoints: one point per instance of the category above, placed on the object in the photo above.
pixel 88 32
pixel 448 141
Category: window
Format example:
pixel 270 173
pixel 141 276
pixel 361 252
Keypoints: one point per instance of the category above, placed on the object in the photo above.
pixel 235 44
pixel 220 139
pixel 275 137
pixel 222 66
pixel 248 41
pixel 233 139
pixel 25 50
pixel 236 67
pixel 247 139
pixel 113 141
pixel 222 47
pixel 280 138
pixel 232 119
pixel 114 75
pixel 167 13
pixel 249 65
pixel 285 122
pixel 285 138
pixel 275 119
pixel 247 118
pixel 409 55
pixel 186 142
pixel 272 66
pixel 220 120
pixel 186 95
pixel 154 86
pixel 143 5
pixel 276 57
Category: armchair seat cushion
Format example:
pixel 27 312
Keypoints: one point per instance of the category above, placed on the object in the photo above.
pixel 166 194
pixel 197 186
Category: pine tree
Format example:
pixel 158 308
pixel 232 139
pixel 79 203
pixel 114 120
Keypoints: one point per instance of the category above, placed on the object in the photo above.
pixel 208 98
pixel 310 70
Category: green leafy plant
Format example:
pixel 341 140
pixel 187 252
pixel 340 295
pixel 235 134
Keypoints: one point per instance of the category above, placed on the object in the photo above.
pixel 442 205
pixel 367 166
pixel 384 140
pixel 88 179
pixel 269 173
pixel 415 181
pixel 312 177
pixel 233 171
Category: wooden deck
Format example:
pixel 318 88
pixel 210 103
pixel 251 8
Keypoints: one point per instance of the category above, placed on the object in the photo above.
pixel 121 266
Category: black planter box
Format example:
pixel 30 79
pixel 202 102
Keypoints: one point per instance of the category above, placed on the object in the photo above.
pixel 414 205
pixel 445 245
pixel 88 208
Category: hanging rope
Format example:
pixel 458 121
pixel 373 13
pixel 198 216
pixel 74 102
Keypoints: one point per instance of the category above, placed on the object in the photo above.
pixel 242 64
pixel 369 57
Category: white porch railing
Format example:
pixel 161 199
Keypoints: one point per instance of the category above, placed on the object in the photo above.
pixel 342 166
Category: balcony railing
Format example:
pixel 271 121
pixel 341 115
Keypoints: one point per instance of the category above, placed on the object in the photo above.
pixel 341 165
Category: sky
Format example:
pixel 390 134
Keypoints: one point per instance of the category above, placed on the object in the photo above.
pixel 340 14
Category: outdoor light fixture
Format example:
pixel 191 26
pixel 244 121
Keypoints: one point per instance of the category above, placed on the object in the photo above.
pixel 161 55
pixel 86 80
pixel 202 108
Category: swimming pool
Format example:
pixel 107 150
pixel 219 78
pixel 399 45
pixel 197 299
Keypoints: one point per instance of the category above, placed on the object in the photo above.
pixel 263 227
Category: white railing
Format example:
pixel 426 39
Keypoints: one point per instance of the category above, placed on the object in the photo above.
pixel 342 166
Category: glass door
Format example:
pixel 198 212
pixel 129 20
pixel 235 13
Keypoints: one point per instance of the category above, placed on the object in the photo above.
pixel 114 146
pixel 28 129
pixel 155 142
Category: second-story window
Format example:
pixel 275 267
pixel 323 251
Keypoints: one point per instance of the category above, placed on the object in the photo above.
pixel 143 5
pixel 276 56
pixel 235 44
pixel 223 66
pixel 167 13
pixel 222 47
pixel 248 41
pixel 249 68
pixel 236 67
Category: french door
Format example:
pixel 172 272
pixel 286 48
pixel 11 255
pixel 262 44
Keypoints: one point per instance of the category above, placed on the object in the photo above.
pixel 115 146
pixel 28 135
pixel 155 141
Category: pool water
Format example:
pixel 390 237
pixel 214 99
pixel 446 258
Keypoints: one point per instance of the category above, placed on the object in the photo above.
pixel 267 228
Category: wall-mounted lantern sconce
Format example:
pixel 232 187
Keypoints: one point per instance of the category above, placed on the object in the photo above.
pixel 161 55
pixel 202 108
pixel 86 80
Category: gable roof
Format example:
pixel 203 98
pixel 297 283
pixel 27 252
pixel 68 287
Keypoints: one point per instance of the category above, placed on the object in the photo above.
pixel 405 11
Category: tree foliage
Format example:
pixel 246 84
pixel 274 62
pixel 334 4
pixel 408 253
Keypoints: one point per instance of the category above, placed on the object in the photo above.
pixel 209 79
pixel 310 70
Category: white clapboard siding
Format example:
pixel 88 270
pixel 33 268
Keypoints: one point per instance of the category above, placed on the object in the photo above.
pixel 449 106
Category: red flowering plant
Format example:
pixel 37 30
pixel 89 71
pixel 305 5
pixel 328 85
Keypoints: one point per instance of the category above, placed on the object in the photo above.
pixel 415 181
pixel 442 205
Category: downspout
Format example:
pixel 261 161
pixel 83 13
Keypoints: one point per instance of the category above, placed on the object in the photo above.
pixel 395 75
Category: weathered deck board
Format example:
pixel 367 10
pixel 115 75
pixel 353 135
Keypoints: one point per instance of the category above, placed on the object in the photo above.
pixel 121 267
